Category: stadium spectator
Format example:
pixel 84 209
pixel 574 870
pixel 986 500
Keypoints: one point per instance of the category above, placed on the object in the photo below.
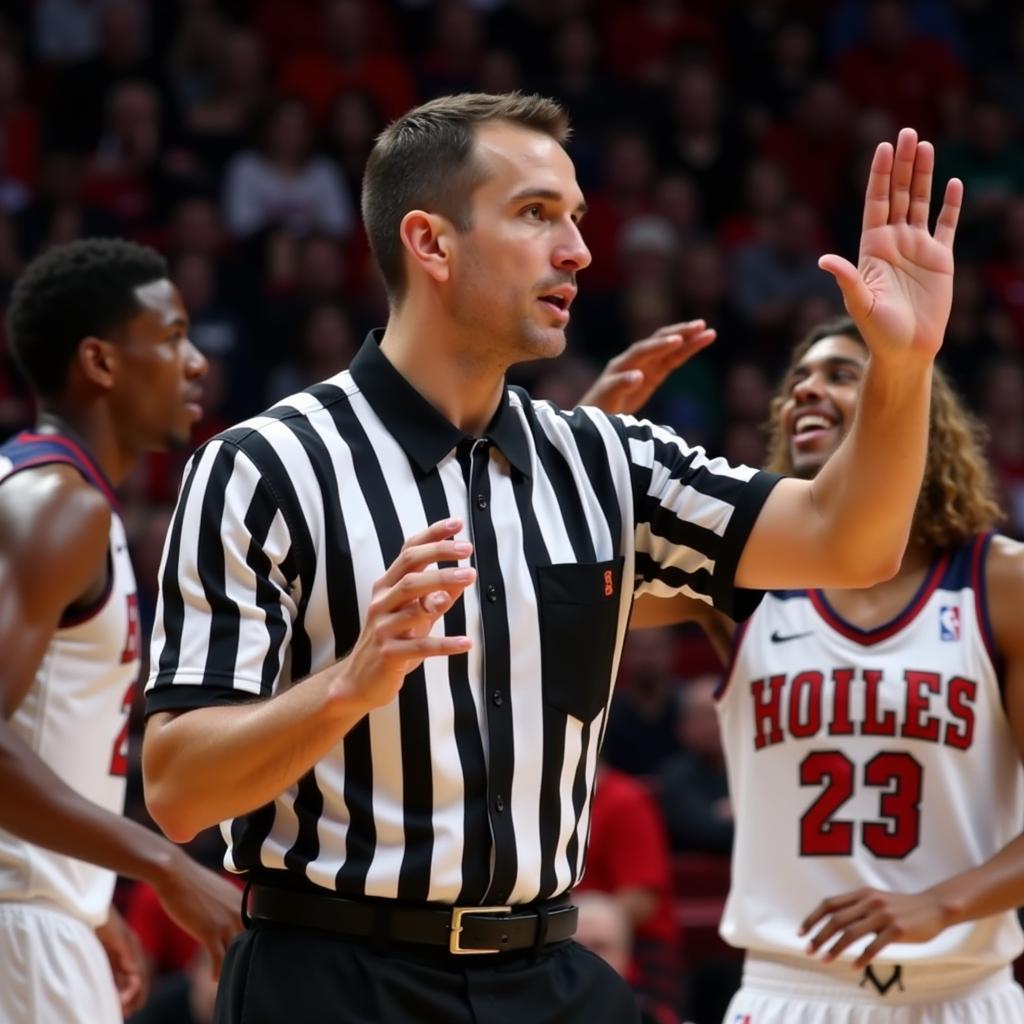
pixel 692 786
pixel 641 728
pixel 628 858
pixel 283 183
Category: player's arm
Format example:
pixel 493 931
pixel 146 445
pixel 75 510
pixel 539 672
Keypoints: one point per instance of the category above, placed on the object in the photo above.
pixel 54 531
pixel 630 378
pixel 650 612
pixel 990 888
pixel 624 386
pixel 849 526
pixel 209 764
pixel 127 962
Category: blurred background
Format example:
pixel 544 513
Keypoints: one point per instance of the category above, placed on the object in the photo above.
pixel 722 146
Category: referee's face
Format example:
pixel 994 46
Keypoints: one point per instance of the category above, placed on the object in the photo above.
pixel 514 271
pixel 157 395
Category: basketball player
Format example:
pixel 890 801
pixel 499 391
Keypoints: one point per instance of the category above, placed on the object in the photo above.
pixel 102 337
pixel 872 740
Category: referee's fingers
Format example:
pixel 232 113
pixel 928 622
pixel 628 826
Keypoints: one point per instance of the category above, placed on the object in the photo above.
pixel 415 585
pixel 412 647
pixel 414 557
pixel 438 530
pixel 421 614
pixel 437 603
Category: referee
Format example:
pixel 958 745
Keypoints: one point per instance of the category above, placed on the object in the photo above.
pixel 392 606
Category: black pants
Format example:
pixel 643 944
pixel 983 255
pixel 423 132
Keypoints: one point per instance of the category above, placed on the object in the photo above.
pixel 277 974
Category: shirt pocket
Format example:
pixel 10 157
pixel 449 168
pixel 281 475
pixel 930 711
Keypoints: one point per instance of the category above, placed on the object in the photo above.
pixel 579 619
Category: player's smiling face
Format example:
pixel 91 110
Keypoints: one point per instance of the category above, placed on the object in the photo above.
pixel 822 393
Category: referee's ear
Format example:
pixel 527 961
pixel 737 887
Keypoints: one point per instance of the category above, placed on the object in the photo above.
pixel 428 238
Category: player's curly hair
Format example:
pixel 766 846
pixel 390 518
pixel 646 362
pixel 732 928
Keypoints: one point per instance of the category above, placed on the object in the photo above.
pixel 75 291
pixel 958 496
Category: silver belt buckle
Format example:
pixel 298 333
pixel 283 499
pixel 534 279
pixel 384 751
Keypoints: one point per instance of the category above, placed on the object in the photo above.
pixel 458 913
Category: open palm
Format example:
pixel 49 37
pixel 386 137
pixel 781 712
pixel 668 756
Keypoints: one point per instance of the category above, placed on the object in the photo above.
pixel 900 292
pixel 630 378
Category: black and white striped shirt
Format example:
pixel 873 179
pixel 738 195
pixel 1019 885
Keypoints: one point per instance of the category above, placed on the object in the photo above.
pixel 474 785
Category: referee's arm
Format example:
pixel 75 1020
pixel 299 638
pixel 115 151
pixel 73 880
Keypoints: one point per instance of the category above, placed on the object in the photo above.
pixel 207 764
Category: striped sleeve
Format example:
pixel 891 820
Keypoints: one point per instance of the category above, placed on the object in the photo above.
pixel 228 589
pixel 693 517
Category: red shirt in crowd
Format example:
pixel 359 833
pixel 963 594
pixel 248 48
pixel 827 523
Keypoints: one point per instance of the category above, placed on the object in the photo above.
pixel 908 83
pixel 629 848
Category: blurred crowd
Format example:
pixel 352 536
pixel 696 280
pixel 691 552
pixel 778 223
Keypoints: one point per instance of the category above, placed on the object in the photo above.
pixel 722 146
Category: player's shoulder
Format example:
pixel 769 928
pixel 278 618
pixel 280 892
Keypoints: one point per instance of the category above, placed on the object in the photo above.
pixel 51 509
pixel 38 489
pixel 35 488
pixel 48 454
pixel 1004 590
pixel 1004 567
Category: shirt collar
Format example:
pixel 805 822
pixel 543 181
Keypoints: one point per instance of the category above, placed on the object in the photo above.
pixel 424 433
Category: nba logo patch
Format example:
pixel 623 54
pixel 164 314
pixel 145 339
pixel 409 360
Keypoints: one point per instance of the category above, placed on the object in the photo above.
pixel 949 622
pixel 742 1018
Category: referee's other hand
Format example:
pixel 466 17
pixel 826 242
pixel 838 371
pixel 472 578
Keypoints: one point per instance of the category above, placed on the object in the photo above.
pixel 422 583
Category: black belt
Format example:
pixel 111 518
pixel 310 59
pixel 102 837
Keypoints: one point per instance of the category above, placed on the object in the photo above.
pixel 461 929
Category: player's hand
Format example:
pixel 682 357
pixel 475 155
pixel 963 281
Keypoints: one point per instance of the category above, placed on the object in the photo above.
pixel 901 290
pixel 206 905
pixel 421 584
pixel 889 916
pixel 630 378
pixel 127 963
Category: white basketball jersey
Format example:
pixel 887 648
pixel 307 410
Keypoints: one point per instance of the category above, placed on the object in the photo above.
pixel 881 758
pixel 75 714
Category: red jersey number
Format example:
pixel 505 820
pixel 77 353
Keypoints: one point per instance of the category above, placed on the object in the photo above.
pixel 897 831
pixel 132 650
pixel 119 755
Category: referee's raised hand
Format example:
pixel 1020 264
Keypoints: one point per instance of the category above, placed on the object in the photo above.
pixel 407 600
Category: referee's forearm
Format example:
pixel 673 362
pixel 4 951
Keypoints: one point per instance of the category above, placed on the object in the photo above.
pixel 206 765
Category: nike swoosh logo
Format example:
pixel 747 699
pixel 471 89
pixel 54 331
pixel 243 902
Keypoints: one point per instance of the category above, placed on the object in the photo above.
pixel 781 638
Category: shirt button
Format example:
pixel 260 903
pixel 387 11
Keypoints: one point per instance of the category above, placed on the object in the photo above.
pixel 492 593
pixel 498 697
pixel 481 501
pixel 499 803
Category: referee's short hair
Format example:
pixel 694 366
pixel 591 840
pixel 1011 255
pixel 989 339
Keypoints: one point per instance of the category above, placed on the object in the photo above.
pixel 424 161
pixel 75 291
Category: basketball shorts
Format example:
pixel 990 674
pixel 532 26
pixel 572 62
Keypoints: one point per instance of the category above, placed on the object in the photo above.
pixel 53 969
pixel 789 991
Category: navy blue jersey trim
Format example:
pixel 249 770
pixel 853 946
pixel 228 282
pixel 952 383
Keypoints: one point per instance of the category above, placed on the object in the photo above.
pixel 979 554
pixel 29 448
pixel 734 653
pixel 936 573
